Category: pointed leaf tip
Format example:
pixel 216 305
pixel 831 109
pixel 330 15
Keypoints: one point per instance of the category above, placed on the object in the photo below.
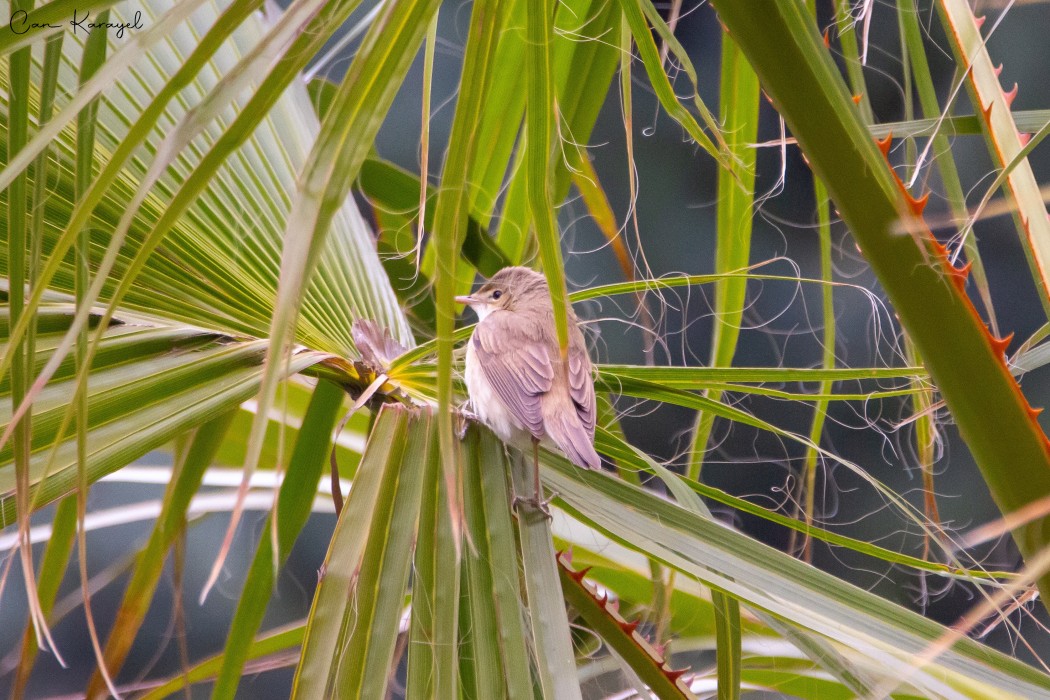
pixel 998 70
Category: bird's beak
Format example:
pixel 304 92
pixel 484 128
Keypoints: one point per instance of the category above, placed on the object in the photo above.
pixel 468 300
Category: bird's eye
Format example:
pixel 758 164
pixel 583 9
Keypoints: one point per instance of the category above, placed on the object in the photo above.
pixel 497 294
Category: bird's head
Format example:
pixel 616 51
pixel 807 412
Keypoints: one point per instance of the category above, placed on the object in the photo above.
pixel 506 290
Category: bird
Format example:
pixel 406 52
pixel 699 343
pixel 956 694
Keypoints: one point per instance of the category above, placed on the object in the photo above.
pixel 518 383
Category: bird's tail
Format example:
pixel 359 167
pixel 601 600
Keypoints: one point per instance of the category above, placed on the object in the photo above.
pixel 575 441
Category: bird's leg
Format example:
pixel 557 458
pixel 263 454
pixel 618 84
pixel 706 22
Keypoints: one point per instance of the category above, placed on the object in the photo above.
pixel 537 488
pixel 537 501
pixel 537 494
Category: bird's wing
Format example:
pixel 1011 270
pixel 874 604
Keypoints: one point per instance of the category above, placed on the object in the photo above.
pixel 581 385
pixel 574 432
pixel 518 368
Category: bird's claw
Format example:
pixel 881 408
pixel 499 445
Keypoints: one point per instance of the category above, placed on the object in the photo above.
pixel 540 504
pixel 464 417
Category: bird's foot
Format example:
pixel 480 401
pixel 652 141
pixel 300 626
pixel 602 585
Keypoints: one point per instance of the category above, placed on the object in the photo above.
pixel 534 502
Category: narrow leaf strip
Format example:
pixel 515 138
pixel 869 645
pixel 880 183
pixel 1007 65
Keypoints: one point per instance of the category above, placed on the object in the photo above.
pixel 345 138
pixel 149 564
pixel 501 541
pixel 1004 139
pixel 481 600
pixel 433 652
pixel 17 243
pixel 59 546
pixel 738 110
pixel 451 219
pixel 92 60
pixel 424 135
pixel 650 55
pixel 354 621
pixel 552 643
pixel 293 508
pixel 540 118
pixel 274 642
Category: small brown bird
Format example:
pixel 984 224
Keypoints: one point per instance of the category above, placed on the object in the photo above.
pixel 518 383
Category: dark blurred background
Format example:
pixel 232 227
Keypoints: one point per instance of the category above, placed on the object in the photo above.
pixel 675 210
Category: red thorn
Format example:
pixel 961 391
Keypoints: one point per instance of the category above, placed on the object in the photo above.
pixel 1009 96
pixel 938 247
pixel 577 576
pixel 979 21
pixel 884 145
pixel 674 675
pixel 918 204
pixel 628 627
pixel 987 112
pixel 960 275
pixel 999 345
pixel 1024 138
pixel 857 98
pixel 998 70
pixel 827 38
pixel 1034 412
